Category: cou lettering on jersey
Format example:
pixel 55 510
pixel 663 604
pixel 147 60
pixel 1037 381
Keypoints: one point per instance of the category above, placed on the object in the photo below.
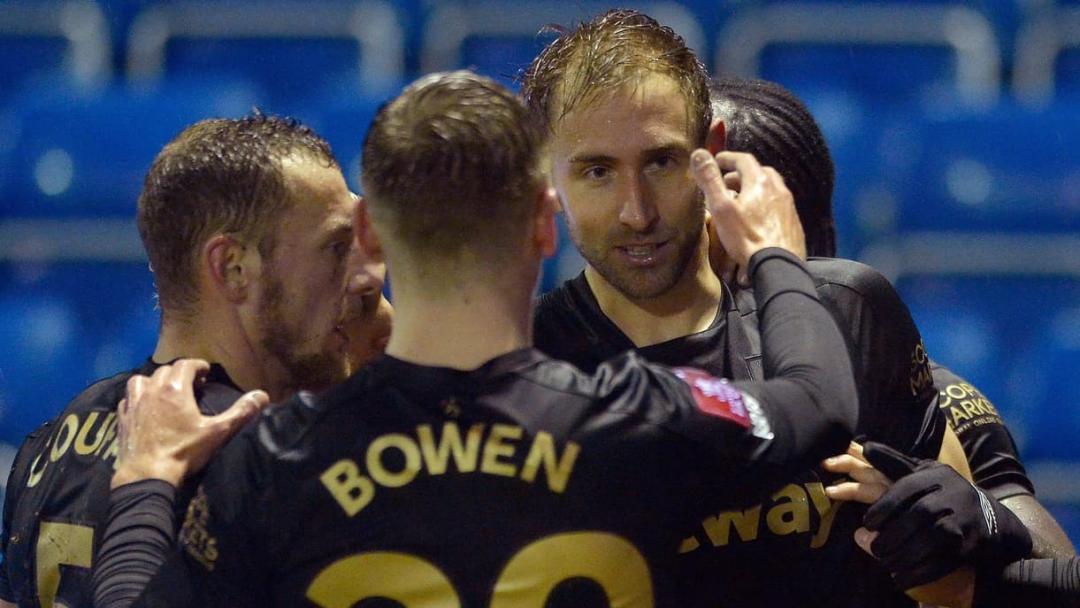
pixel 490 449
pixel 90 436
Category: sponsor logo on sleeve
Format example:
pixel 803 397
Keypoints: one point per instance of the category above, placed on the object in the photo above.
pixel 716 397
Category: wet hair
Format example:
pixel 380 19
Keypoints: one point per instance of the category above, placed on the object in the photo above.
pixel 768 121
pixel 217 176
pixel 452 165
pixel 602 55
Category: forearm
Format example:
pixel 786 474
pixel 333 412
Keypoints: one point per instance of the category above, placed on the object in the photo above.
pixel 1048 539
pixel 1032 582
pixel 952 454
pixel 140 535
pixel 810 388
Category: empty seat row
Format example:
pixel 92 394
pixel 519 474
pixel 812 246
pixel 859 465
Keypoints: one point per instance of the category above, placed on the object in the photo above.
pixel 890 51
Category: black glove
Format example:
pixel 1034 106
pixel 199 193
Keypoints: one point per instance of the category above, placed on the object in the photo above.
pixel 932 521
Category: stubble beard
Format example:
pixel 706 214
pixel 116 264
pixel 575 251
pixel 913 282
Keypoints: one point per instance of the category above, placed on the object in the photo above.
pixel 635 283
pixel 304 371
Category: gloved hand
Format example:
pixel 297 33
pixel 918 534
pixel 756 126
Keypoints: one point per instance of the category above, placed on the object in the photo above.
pixel 932 521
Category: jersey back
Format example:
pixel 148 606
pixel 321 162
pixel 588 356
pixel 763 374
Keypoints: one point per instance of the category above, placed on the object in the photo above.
pixel 522 483
pixel 58 495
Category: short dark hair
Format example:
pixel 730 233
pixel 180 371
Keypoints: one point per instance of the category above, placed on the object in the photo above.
pixel 217 176
pixel 603 54
pixel 770 122
pixel 452 164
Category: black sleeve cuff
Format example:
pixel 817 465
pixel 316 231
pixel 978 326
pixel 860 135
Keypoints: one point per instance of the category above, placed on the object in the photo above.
pixel 143 488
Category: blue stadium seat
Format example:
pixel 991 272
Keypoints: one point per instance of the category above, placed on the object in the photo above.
pixel 499 38
pixel 958 332
pixel 85 155
pixel 343 121
pixel 293 50
pixel 889 53
pixel 40 364
pixel 1008 169
pixel 43 40
pixel 67 325
pixel 1008 336
pixel 130 338
pixel 1047 383
pixel 1048 54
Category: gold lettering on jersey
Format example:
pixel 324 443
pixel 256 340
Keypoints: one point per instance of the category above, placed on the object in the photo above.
pixel 35 472
pixel 349 488
pixel 965 406
pixel 376 465
pixel 83 448
pixel 557 470
pixel 354 489
pixel 437 457
pixel 921 377
pixel 92 436
pixel 788 513
pixel 791 513
pixel 64 436
pixel 195 535
pixel 718 528
pixel 826 509
pixel 497 447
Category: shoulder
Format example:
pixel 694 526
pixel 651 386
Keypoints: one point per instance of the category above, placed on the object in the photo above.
pixel 285 431
pixel 856 277
pixel 104 394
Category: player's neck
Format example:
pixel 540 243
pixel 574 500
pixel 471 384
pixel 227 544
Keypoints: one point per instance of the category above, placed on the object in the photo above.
pixel 221 343
pixel 461 329
pixel 689 307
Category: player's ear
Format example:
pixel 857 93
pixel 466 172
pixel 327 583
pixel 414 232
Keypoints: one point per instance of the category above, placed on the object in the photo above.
pixel 230 265
pixel 716 140
pixel 366 238
pixel 545 232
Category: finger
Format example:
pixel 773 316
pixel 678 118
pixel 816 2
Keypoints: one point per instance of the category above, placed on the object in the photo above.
pixel 733 181
pixel 856 449
pixel 136 387
pixel 773 175
pixel 240 412
pixel 709 179
pixel 856 491
pixel 185 371
pixel 844 463
pixel 748 168
pixel 864 538
pixel 890 461
pixel 857 469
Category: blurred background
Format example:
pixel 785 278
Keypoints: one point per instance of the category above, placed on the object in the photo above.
pixel 954 127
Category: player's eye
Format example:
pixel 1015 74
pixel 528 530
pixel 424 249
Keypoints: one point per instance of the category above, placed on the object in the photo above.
pixel 340 248
pixel 596 172
pixel 664 162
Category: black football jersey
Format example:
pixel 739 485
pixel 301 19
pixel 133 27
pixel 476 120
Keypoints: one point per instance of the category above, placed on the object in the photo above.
pixel 57 499
pixel 524 482
pixel 413 483
pixel 798 540
pixel 988 445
